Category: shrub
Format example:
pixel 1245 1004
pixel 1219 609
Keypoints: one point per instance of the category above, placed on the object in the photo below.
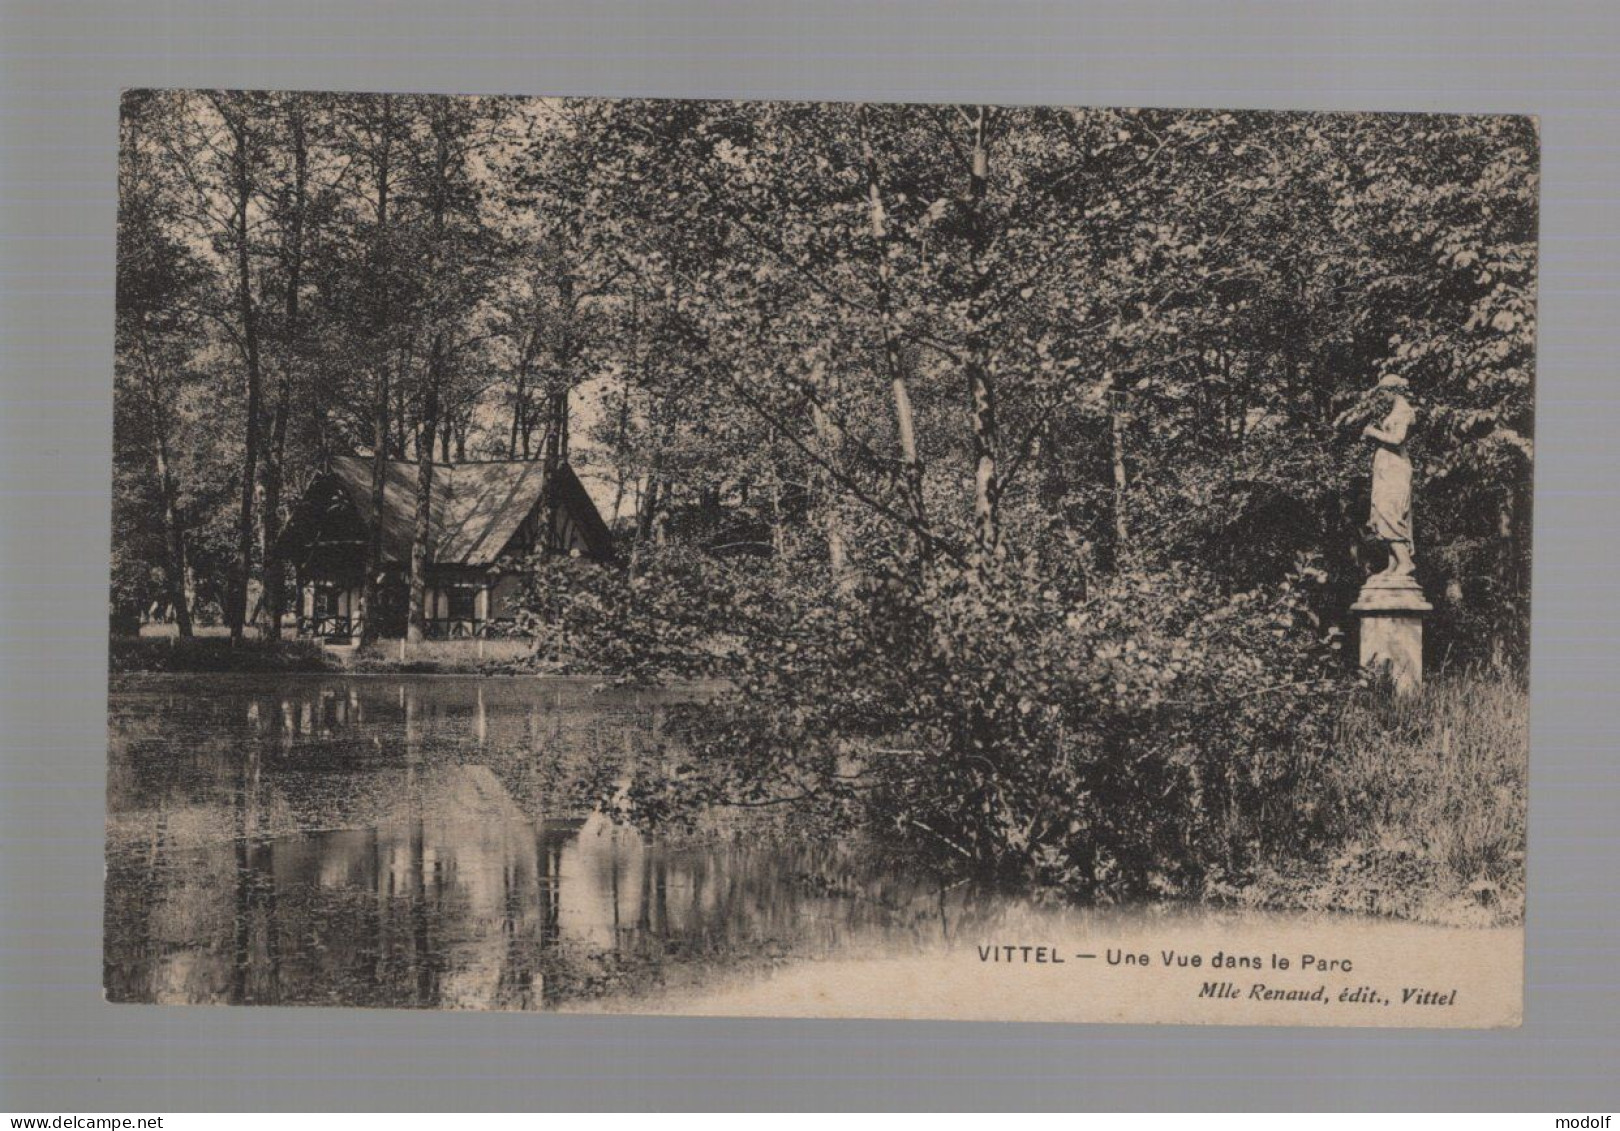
pixel 1153 736
pixel 671 618
pixel 1105 747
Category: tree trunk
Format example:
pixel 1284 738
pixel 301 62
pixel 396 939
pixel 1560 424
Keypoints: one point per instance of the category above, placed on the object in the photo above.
pixel 556 443
pixel 907 428
pixel 401 411
pixel 520 399
pixel 416 622
pixel 650 504
pixel 421 548
pixel 646 518
pixel 912 468
pixel 1508 582
pixel 174 573
pixel 622 431
pixel 1117 402
pixel 371 591
pixel 526 428
pixel 621 436
pixel 174 567
pixel 832 519
pixel 270 522
pixel 563 350
pixel 981 385
pixel 242 568
pixel 275 579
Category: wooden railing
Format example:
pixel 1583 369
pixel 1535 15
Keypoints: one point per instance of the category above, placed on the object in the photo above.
pixel 437 628
pixel 329 626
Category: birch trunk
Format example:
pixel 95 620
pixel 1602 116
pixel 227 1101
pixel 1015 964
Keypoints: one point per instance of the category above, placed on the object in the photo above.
pixel 832 519
pixel 1117 410
pixel 981 383
pixel 905 423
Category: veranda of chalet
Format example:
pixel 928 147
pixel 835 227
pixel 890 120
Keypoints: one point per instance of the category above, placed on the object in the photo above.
pixel 486 519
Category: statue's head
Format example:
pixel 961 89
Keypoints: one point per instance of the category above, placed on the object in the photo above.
pixel 1390 386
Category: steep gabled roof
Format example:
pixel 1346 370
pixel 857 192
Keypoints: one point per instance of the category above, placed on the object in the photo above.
pixel 578 500
pixel 475 509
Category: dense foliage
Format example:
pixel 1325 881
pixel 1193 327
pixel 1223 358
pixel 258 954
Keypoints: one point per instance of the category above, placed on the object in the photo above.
pixel 1115 746
pixel 1006 460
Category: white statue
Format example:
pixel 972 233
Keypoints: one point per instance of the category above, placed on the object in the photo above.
pixel 1391 519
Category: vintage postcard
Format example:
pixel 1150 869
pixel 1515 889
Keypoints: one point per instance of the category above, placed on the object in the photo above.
pixel 821 559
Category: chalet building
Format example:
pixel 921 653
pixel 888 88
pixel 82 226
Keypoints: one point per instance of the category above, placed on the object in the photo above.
pixel 482 515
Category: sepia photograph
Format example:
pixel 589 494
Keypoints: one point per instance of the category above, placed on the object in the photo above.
pixel 982 562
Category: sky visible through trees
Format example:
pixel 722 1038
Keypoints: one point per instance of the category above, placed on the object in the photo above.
pixel 980 429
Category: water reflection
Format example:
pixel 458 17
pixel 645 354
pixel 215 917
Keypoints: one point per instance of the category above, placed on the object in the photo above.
pixel 434 843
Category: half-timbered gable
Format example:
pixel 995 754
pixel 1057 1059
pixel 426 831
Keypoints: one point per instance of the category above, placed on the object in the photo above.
pixel 486 520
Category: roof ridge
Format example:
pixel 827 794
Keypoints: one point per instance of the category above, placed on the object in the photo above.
pixel 476 506
pixel 458 463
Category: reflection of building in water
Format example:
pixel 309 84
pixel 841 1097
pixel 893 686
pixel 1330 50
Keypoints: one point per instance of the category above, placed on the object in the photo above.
pixel 468 912
pixel 588 881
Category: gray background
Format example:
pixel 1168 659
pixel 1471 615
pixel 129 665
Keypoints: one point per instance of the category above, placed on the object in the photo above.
pixel 61 66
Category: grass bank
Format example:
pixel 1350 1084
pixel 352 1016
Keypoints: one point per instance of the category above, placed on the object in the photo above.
pixel 493 656
pixel 1416 810
pixel 215 654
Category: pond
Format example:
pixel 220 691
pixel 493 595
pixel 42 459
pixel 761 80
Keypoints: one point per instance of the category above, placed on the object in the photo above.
pixel 435 842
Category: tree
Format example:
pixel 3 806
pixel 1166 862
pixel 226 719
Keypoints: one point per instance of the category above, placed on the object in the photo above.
pixel 156 293
pixel 295 209
pixel 213 142
pixel 372 135
pixel 237 166
pixel 455 250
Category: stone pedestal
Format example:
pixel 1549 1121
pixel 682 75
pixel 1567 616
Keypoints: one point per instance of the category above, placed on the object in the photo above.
pixel 1391 609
